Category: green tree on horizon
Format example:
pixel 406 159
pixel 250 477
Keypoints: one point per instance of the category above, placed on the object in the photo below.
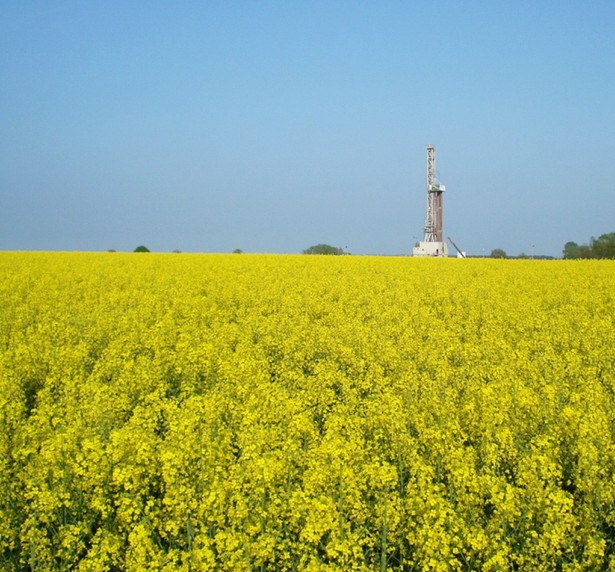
pixel 498 253
pixel 601 247
pixel 323 249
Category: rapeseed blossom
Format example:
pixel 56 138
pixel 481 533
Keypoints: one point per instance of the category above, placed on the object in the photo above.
pixel 213 412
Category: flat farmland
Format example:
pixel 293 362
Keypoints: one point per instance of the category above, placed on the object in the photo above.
pixel 271 412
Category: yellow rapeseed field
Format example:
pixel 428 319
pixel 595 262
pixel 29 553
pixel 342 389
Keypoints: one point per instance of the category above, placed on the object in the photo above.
pixel 261 412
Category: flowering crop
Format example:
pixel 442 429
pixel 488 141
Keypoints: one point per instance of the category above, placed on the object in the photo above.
pixel 199 412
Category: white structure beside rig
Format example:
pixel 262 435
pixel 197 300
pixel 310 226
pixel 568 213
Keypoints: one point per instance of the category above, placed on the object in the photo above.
pixel 433 243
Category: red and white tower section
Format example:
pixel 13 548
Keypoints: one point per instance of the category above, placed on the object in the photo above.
pixel 433 243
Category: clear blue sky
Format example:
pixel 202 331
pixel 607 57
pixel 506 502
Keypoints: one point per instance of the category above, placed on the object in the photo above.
pixel 272 126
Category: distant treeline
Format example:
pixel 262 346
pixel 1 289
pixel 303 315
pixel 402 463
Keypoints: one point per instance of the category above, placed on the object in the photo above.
pixel 601 247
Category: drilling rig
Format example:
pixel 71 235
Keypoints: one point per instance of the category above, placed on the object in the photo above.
pixel 433 243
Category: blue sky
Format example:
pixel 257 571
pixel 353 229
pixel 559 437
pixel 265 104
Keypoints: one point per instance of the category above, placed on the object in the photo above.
pixel 272 126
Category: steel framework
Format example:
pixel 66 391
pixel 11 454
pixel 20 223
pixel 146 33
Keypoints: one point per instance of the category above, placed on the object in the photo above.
pixel 434 227
pixel 433 243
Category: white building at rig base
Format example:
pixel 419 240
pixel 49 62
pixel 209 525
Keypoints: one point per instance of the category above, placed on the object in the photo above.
pixel 424 248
